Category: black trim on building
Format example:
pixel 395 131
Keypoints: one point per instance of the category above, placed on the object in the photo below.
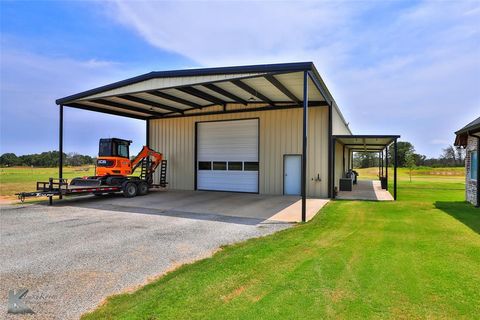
pixel 304 146
pixel 106 111
pixel 127 107
pixel 147 133
pixel 167 96
pixel 60 148
pixel 245 87
pixel 330 151
pixel 149 103
pixel 225 93
pixel 277 84
pixel 202 95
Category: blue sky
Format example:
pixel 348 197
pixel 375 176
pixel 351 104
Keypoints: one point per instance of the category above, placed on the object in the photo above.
pixel 395 67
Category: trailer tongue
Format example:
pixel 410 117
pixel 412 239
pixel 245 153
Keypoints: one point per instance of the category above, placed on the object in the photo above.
pixel 113 174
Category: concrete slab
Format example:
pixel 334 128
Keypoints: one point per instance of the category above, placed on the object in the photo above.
pixel 291 213
pixel 248 208
pixel 366 190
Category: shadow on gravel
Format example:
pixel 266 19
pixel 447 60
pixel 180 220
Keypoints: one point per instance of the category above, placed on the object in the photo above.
pixel 463 211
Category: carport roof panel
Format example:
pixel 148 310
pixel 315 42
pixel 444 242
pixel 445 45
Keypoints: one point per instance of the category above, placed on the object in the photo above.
pixel 366 141
pixel 175 93
pixel 264 68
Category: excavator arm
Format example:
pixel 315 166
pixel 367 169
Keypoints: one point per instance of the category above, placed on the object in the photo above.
pixel 152 157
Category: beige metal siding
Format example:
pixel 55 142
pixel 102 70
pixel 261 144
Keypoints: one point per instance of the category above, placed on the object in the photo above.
pixel 338 125
pixel 280 134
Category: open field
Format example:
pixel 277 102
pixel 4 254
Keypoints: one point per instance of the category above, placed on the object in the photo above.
pixel 18 179
pixel 414 258
pixel 419 173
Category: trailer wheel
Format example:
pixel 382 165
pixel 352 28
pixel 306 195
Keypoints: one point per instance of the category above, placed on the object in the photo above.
pixel 142 188
pixel 129 190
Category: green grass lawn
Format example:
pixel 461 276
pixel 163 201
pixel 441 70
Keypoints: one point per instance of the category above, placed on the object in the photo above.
pixel 18 179
pixel 415 258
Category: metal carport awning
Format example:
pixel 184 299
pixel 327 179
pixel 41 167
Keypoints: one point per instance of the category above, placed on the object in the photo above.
pixel 368 143
pixel 165 94
pixel 207 91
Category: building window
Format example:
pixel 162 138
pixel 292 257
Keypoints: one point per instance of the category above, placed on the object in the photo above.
pixel 204 165
pixel 473 165
pixel 219 165
pixel 235 166
pixel 250 166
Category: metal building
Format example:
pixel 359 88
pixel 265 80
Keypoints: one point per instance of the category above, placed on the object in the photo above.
pixel 268 129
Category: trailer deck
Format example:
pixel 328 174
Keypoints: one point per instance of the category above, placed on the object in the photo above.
pixel 60 187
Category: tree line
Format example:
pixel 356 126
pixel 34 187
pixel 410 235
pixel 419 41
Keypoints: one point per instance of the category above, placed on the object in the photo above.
pixel 407 157
pixel 45 159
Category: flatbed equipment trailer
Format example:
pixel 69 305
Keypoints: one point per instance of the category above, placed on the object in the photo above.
pixel 113 173
pixel 60 187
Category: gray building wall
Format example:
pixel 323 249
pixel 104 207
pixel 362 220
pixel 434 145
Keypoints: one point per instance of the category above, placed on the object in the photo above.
pixel 470 184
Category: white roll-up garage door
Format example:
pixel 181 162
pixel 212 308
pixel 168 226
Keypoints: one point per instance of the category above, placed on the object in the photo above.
pixel 227 155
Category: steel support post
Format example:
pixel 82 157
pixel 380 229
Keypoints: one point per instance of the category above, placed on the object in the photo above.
pixel 332 190
pixel 395 164
pixel 60 148
pixel 386 166
pixel 147 133
pixel 304 146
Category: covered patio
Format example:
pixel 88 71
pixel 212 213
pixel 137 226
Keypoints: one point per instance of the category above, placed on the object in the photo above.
pixel 363 189
pixel 366 190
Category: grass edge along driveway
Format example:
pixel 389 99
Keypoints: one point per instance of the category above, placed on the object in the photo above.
pixel 416 258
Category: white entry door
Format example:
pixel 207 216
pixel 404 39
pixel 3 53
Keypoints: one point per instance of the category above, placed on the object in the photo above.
pixel 292 181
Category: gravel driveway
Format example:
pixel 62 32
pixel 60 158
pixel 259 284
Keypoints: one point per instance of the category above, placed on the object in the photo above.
pixel 70 258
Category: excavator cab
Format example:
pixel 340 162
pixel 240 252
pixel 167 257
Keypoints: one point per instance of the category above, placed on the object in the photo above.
pixel 114 157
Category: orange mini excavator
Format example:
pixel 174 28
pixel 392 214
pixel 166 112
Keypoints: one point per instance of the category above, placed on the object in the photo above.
pixel 114 168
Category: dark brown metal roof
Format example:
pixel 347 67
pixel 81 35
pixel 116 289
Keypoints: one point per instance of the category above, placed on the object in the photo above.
pixel 462 134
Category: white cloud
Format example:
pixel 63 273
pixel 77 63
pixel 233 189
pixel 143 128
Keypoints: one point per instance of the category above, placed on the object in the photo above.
pixel 413 71
pixel 407 70
pixel 30 84
pixel 227 33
